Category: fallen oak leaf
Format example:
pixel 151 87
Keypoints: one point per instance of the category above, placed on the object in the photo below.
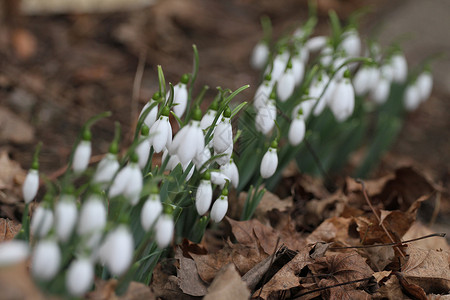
pixel 227 285
pixel 188 278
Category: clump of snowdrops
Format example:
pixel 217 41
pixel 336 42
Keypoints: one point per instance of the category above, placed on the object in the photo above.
pixel 127 211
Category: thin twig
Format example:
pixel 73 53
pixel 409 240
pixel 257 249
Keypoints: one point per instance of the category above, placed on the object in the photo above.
pixel 360 181
pixel 330 287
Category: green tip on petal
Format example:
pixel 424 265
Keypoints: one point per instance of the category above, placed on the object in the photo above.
pixel 306 92
pixel 227 112
pixel 114 148
pixel 145 130
pixel 156 96
pixel 225 191
pixel 273 94
pixel 206 175
pixel 35 165
pixel 168 209
pixel 347 74
pixel 268 77
pixel 196 114
pixel 154 190
pixel 184 79
pixel 134 158
pixel 214 106
pixel 274 144
pixel 165 111
pixel 289 65
pixel 87 135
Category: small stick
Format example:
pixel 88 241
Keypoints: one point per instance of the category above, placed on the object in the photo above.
pixel 360 181
pixel 331 286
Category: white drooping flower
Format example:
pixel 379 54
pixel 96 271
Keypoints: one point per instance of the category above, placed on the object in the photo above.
pixel 66 215
pixel 278 67
pixel 351 43
pixel 151 211
pixel 201 158
pixel 208 118
pixel 45 260
pixel 298 68
pixel 42 221
pixel 259 56
pixel 80 276
pixel 219 178
pixel 203 196
pixel 219 208
pixel 151 116
pixel 128 182
pixel 188 142
pixel 411 98
pixel 306 106
pixel 143 151
pixel 425 85
pixel 180 96
pixel 297 130
pixel 387 71
pixel 326 56
pixel 12 252
pixel 265 117
pixel 223 135
pixel 82 156
pixel 92 220
pixel 316 43
pixel 172 162
pixel 400 68
pixel 231 171
pixel 262 94
pixel 117 250
pixel 317 91
pixel 161 132
pixel 223 158
pixel 106 169
pixel 286 84
pixel 164 230
pixel 30 185
pixel 361 81
pixel 380 92
pixel 269 162
pixel 342 102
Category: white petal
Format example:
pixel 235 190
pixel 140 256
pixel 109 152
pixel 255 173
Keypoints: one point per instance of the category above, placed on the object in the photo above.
pixel 41 222
pixel 180 98
pixel 219 209
pixel 81 156
pixel 381 91
pixel 306 107
pixel 297 131
pixel 164 231
pixel 118 250
pixel 12 252
pixel 343 101
pixel 316 92
pixel 203 197
pixel 223 136
pixel 161 134
pixel 178 139
pixel 231 171
pixel 143 151
pixel 262 95
pixel 400 67
pixel 224 157
pixel 411 98
pixel 151 116
pixel 269 163
pixel 351 43
pixel 259 56
pixel 106 169
pixel 425 85
pixel 134 184
pixel 279 64
pixel 201 158
pixel 46 260
pixel 298 68
pixel 208 119
pixel 265 118
pixel 151 211
pixel 120 182
pixel 66 215
pixel 219 179
pixel 286 85
pixel 361 81
pixel 316 43
pixel 92 216
pixel 30 185
pixel 80 277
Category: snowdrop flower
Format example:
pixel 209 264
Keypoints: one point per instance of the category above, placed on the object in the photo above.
pixel 201 158
pixel 82 154
pixel 80 277
pixel 223 135
pixel 231 171
pixel 220 207
pixel 117 250
pixel 203 196
pixel 338 65
pixel 297 130
pixel 106 169
pixel 387 71
pixel 42 221
pixel 150 118
pixel 180 96
pixel 380 92
pixel 269 162
pixel 219 179
pixel 286 84
pixel 316 91
pixel 278 67
pixel 263 93
pixel 161 132
pixel 151 210
pixel 128 182
pixel 173 160
pixel 343 101
pixel 164 230
pixel 316 43
pixel 92 220
pixel 365 79
pixel 30 185
pixel 191 170
pixel 411 98
pixel 400 68
pixel 12 252
pixel 208 118
pixel 326 56
pixel 351 43
pixel 223 158
pixel 66 214
pixel 259 56
pixel 266 116
pixel 143 149
pixel 45 260
pixel 425 85
pixel 306 106
pixel 298 68
pixel 189 140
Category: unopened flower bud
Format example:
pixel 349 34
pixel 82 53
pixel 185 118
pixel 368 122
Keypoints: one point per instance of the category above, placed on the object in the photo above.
pixel 45 260
pixel 80 277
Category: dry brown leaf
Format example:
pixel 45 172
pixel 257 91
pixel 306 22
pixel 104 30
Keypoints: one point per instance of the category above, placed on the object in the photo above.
pixel 411 289
pixel 8 229
pixel 380 257
pixel 428 269
pixel 391 289
pixel 165 285
pixel 138 291
pixel 379 276
pixel 340 268
pixel 189 281
pixel 13 129
pixel 286 278
pixel 318 210
pixel 104 290
pixel 227 285
pixel 419 230
pixel 10 171
pixel 336 229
